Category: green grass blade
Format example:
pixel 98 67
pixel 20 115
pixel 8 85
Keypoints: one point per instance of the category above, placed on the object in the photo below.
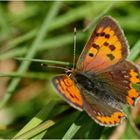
pixel 44 61
pixel 52 43
pixel 65 19
pixel 32 51
pixel 71 131
pixel 18 40
pixel 79 13
pixel 135 51
pixel 60 128
pixel 107 9
pixel 96 131
pixel 33 75
pixel 39 118
pixel 36 130
pixel 4 24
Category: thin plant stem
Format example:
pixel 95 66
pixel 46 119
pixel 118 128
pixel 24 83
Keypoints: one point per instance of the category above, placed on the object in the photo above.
pixel 33 75
pixel 45 61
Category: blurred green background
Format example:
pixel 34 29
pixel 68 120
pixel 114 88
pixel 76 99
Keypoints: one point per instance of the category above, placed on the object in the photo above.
pixel 29 107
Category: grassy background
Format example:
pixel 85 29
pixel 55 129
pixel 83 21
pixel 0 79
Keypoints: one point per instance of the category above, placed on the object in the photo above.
pixel 29 106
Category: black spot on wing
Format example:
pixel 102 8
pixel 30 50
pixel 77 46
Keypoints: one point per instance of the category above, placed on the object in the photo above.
pixel 106 43
pixel 97 34
pixel 91 54
pixel 112 47
pixel 95 46
pixel 111 56
pixel 102 33
pixel 107 36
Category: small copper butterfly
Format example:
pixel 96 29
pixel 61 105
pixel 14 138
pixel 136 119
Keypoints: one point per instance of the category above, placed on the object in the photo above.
pixel 102 82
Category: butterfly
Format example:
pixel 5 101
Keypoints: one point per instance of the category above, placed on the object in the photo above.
pixel 102 82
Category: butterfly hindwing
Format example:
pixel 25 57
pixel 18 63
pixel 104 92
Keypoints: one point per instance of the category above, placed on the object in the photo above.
pixel 67 89
pixel 120 80
pixel 103 113
pixel 106 46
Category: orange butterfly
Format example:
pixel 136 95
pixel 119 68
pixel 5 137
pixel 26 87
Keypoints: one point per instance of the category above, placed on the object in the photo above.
pixel 102 82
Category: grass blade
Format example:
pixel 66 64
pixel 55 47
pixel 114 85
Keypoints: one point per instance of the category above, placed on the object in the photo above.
pixel 45 61
pixel 135 51
pixel 32 51
pixel 36 130
pixel 71 131
pixel 39 118
pixel 52 43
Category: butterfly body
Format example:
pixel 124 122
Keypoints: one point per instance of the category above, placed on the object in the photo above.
pixel 102 82
pixel 93 88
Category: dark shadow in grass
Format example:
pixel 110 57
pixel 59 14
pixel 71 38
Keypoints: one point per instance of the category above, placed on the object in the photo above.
pixel 89 129
pixel 63 122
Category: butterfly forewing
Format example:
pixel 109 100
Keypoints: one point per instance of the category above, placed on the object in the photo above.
pixel 67 89
pixel 106 46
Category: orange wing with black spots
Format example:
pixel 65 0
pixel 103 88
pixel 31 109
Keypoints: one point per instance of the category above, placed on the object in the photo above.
pixel 106 47
pixel 66 88
pixel 120 80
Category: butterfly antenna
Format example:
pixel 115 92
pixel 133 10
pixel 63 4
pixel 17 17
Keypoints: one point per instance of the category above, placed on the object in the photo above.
pixel 56 67
pixel 74 48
